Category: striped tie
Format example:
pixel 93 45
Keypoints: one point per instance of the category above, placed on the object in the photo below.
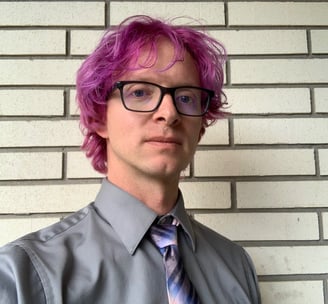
pixel 179 288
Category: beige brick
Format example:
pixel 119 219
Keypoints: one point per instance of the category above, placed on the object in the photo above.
pixel 40 133
pixel 210 13
pixel 25 42
pixel 268 101
pixel 249 226
pixel 279 71
pixel 325 225
pixel 277 13
pixel 83 42
pixel 323 158
pixel 254 162
pixel 321 100
pixel 31 102
pixel 218 134
pixel 247 42
pixel 73 107
pixel 38 71
pixel 287 194
pixel 281 131
pixel 78 166
pixel 21 199
pixel 292 292
pixel 29 165
pixel 289 260
pixel 15 227
pixel 46 13
pixel 206 195
pixel 319 39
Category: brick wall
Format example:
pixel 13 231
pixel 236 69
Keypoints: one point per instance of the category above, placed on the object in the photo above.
pixel 259 176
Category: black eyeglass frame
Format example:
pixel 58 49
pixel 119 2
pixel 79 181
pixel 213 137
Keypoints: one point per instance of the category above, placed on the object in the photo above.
pixel 164 90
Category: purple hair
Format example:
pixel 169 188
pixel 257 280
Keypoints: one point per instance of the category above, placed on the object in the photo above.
pixel 121 46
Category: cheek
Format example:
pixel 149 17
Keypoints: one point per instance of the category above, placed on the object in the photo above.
pixel 123 125
pixel 200 129
pixel 115 121
pixel 201 133
pixel 196 132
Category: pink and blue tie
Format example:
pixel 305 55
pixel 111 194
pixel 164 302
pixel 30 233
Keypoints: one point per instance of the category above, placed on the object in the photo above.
pixel 179 288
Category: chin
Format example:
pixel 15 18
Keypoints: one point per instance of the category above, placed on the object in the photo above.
pixel 164 171
pixel 167 167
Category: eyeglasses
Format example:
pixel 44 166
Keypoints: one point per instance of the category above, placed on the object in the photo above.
pixel 142 96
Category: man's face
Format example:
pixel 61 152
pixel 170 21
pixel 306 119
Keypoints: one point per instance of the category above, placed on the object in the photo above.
pixel 159 144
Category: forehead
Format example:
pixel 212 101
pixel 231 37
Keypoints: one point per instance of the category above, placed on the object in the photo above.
pixel 162 59
pixel 160 55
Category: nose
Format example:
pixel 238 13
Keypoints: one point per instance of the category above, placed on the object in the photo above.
pixel 166 112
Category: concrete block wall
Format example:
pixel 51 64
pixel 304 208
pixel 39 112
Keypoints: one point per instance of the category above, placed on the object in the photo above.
pixel 260 176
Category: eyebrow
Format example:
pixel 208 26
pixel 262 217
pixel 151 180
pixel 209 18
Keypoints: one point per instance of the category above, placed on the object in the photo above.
pixel 151 80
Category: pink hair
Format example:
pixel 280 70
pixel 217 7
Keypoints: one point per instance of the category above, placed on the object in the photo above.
pixel 113 57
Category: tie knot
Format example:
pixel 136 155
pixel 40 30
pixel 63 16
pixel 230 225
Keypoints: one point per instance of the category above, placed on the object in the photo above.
pixel 164 235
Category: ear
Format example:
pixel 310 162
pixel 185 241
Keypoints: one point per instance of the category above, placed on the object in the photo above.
pixel 102 132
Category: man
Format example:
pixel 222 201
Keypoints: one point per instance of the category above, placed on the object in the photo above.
pixel 146 95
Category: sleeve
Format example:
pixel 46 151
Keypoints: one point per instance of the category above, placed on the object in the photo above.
pixel 19 280
pixel 252 280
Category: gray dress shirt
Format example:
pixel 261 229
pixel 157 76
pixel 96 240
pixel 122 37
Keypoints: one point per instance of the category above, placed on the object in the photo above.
pixel 103 254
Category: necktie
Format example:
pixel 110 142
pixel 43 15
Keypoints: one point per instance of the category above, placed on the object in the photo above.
pixel 179 288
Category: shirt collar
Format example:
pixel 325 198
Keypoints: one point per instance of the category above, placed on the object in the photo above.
pixel 179 212
pixel 131 219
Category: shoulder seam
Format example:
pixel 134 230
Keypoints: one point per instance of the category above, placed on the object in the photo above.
pixel 37 269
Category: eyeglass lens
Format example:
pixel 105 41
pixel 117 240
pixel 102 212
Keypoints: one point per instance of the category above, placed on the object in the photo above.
pixel 145 97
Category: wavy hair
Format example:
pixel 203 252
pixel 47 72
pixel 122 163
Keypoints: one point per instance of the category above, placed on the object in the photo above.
pixel 118 52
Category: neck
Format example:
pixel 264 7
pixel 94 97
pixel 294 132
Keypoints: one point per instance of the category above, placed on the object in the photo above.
pixel 160 195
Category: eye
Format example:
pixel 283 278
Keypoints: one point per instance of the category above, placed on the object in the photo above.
pixel 187 96
pixel 184 99
pixel 138 91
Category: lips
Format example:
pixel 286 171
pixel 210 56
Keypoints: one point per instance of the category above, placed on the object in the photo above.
pixel 164 140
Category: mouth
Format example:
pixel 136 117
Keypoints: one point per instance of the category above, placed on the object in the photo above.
pixel 168 141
